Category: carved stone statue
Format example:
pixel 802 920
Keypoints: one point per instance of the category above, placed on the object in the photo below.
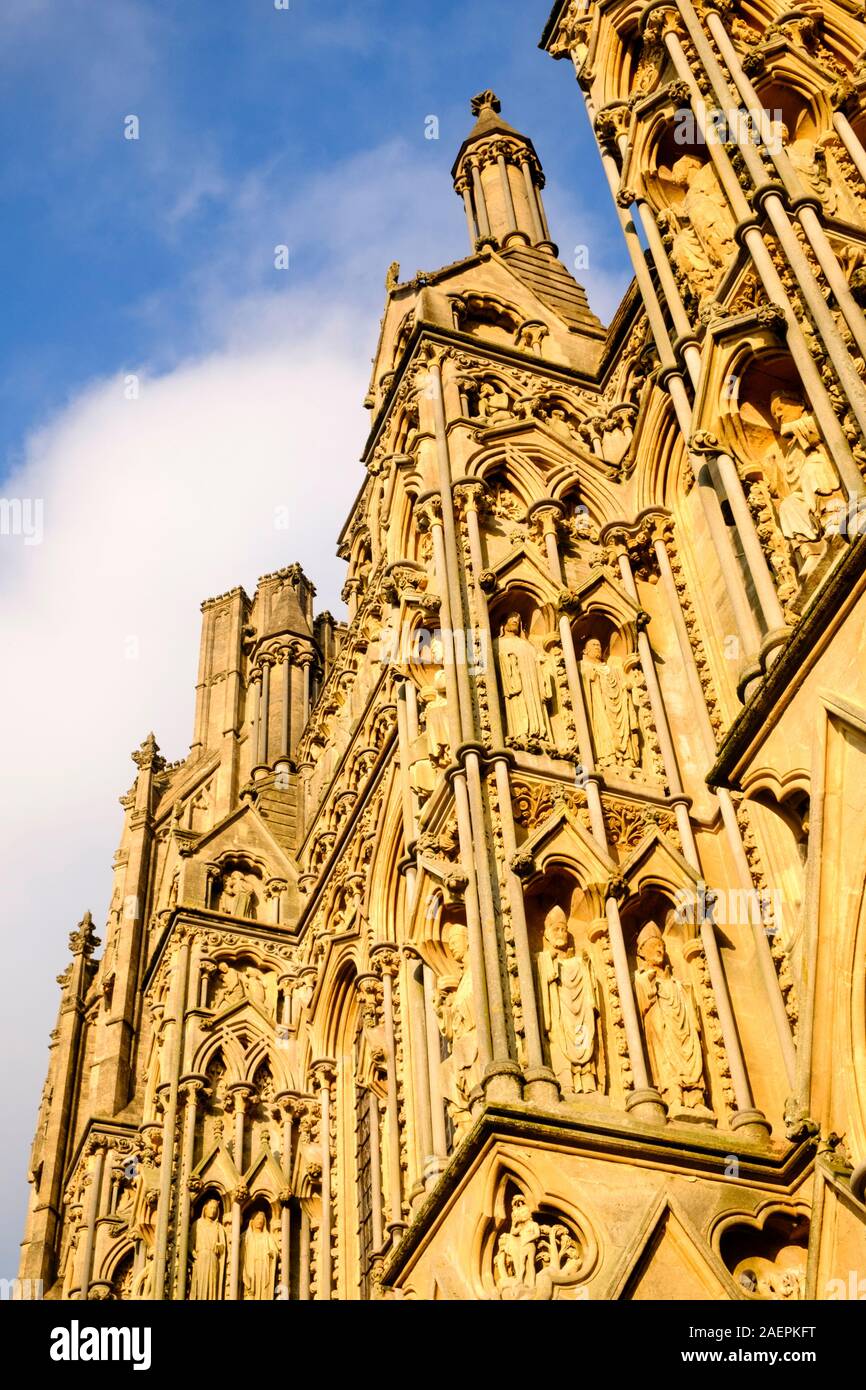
pixel 494 405
pixel 700 223
pixel 805 476
pixel 705 206
pixel 558 422
pixel 671 1026
pixel 692 262
pixel 612 713
pixel 258 1259
pixel 569 1006
pixel 456 1013
pixel 236 897
pixel 209 1247
pixel 809 158
pixel 432 750
pixel 515 1254
pixel 229 988
pixel 527 684
pixel 533 1257
pixel 254 988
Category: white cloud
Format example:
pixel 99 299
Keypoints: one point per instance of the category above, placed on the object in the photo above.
pixel 150 505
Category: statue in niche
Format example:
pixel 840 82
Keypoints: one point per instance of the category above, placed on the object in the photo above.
pixel 559 423
pixel 433 749
pixel 209 1249
pixel 805 477
pixel 700 222
pixel 695 269
pixel 527 684
pixel 456 1013
pixel 236 897
pixel 259 1253
pixel 569 1006
pixel 494 405
pixel 229 989
pixel 809 158
pixel 671 1026
pixel 254 988
pixel 705 206
pixel 613 716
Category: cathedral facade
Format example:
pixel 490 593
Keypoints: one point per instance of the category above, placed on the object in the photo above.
pixel 508 940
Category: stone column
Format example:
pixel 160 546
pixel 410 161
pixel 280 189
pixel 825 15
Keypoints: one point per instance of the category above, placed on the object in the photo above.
pixel 240 1094
pixel 324 1071
pixel 290 1106
pixel 480 201
pixel 421 1072
pixel 286 717
pixel 532 200
pixel 437 1100
pixel 208 970
pixel 238 1199
pixel 172 1053
pixel 462 188
pixel 306 664
pixel 745 1117
pixel 506 193
pixel 376 1204
pixel 849 139
pixel 410 827
pixel 254 688
pixel 669 286
pixel 765 588
pixel 644 1100
pixel 264 713
pixel 763 954
pixel 191 1088
pixel 97 1148
pixel 304 1261
pixel 385 962
pixel 657 705
pixel 284 1290
pixel 459 780
pixel 662 537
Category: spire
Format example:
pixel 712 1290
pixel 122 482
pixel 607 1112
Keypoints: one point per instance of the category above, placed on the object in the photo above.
pixel 499 177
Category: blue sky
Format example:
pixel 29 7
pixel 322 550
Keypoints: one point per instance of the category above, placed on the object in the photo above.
pixel 258 127
pixel 107 241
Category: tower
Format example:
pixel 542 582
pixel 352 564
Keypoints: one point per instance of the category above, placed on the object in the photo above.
pixel 464 956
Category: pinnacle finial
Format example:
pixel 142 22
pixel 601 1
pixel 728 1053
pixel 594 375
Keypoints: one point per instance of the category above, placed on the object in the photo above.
pixel 485 101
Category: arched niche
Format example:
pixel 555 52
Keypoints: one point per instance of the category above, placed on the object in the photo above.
pixel 237 886
pixel 693 213
pixel 618 641
pixel 766 1254
pixel 662 907
pixel 793 482
pixel 560 886
pixel 537 617
pixel 797 108
pixel 486 316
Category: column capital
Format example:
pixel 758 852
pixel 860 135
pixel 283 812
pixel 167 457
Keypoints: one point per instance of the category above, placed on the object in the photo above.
pixel 385 958
pixel 325 1071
